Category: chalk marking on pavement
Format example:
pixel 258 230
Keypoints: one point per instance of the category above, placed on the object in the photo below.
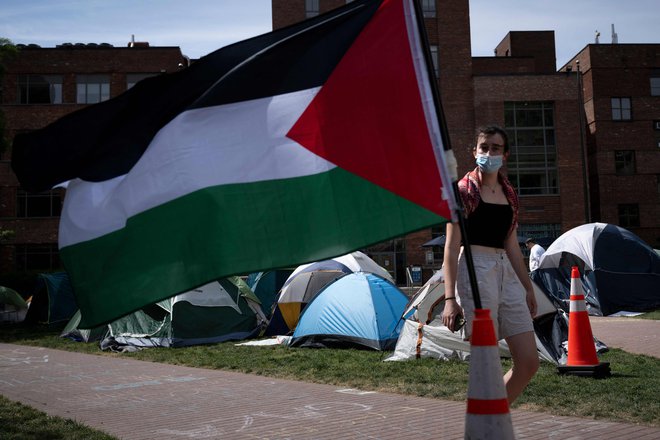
pixel 354 391
pixel 121 386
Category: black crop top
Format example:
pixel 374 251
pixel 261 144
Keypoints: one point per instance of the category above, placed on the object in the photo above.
pixel 489 224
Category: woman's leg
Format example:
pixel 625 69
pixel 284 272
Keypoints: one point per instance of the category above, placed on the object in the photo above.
pixel 525 363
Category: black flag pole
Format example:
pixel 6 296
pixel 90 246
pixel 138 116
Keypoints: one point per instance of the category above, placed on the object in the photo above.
pixel 444 134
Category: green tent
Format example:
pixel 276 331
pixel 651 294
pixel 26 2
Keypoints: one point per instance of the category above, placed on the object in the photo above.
pixel 12 305
pixel 266 286
pixel 222 310
pixel 72 331
pixel 53 300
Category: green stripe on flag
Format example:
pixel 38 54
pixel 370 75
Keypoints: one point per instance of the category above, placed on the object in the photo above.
pixel 210 234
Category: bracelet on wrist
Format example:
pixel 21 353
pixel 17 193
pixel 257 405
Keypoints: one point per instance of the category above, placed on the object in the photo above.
pixel 450 298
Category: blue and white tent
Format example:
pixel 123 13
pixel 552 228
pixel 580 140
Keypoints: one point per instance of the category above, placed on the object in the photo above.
pixel 357 310
pixel 619 271
pixel 309 279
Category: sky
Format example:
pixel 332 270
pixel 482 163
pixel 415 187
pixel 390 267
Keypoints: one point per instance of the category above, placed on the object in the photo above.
pixel 201 26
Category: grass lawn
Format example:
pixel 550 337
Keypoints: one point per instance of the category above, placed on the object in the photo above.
pixel 650 315
pixel 630 395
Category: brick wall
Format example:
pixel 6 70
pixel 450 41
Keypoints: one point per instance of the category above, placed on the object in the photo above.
pixel 539 45
pixel 623 70
pixel 68 62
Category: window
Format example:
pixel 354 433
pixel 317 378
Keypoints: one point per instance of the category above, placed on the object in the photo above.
pixel 39 89
pixel 134 78
pixel 532 164
pixel 628 215
pixel 391 255
pixel 434 58
pixel 438 251
pixel 46 204
pixel 92 88
pixel 655 85
pixel 43 257
pixel 311 8
pixel 621 109
pixel 428 8
pixel 624 162
pixel 544 233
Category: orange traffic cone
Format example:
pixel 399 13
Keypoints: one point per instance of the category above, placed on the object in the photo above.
pixel 582 358
pixel 487 414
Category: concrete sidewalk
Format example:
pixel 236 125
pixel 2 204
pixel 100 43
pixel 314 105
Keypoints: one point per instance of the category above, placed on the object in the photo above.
pixel 142 400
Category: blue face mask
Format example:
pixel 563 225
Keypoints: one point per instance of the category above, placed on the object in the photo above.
pixel 489 164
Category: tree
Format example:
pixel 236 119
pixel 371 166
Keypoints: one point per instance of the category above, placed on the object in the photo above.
pixel 6 234
pixel 7 52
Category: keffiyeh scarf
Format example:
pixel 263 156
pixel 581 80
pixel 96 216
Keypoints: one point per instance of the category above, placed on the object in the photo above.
pixel 469 185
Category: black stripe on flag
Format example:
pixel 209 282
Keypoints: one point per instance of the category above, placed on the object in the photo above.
pixel 105 140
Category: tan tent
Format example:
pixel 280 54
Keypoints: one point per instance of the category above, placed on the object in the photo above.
pixel 424 335
pixel 308 280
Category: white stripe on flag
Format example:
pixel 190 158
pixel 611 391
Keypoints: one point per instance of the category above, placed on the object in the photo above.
pixel 430 112
pixel 234 143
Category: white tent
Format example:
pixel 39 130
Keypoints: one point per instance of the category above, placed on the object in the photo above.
pixel 355 261
pixel 424 335
pixel 610 259
pixel 309 279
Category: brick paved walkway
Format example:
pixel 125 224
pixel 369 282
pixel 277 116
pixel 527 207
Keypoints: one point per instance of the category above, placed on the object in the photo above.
pixel 639 336
pixel 142 400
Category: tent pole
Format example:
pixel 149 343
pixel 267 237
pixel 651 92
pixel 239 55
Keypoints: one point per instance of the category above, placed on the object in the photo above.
pixel 444 133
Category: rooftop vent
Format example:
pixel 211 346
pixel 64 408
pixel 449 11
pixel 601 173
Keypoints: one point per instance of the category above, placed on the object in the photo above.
pixel 134 43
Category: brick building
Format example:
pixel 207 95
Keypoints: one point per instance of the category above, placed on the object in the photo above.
pixel 621 85
pixel 40 86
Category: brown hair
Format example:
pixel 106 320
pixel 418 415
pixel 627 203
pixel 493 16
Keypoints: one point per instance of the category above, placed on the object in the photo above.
pixel 490 130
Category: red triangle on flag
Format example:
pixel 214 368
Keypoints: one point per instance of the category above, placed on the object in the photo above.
pixel 368 117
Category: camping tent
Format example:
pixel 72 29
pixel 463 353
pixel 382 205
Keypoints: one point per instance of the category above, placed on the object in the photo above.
pixel 357 310
pixel 52 299
pixel 72 331
pixel 225 309
pixel 13 307
pixel 354 262
pixel 424 335
pixel 297 292
pixel 266 286
pixel 620 272
pixel 308 279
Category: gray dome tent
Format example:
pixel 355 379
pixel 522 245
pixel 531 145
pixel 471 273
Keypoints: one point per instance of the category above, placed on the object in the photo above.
pixel 620 272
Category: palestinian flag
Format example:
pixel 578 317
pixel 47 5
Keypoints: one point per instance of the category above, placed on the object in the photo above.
pixel 298 145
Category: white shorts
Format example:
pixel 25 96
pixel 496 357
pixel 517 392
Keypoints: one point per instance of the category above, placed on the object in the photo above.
pixel 500 291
